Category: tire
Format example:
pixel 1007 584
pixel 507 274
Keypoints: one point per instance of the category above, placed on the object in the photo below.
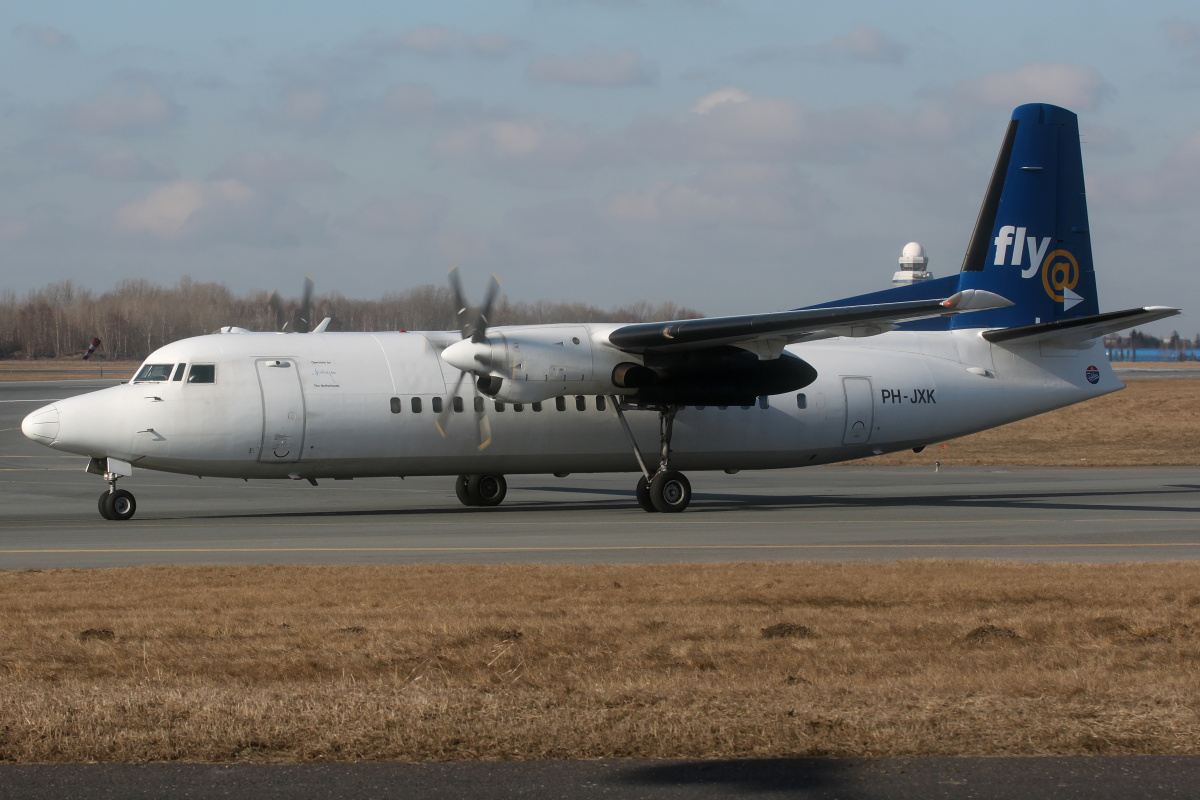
pixel 643 495
pixel 460 489
pixel 120 505
pixel 487 490
pixel 102 505
pixel 670 492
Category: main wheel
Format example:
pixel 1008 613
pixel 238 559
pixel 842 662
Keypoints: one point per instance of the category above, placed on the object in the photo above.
pixel 102 505
pixel 487 490
pixel 464 494
pixel 643 495
pixel 670 491
pixel 119 505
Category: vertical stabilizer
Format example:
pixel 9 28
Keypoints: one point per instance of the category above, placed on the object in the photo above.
pixel 1031 243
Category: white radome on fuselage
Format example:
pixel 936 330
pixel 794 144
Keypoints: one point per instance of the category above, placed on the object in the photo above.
pixel 321 405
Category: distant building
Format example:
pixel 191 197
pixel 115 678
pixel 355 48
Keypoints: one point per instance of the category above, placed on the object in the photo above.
pixel 913 263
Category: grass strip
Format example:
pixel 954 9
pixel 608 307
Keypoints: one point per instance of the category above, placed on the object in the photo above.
pixel 427 662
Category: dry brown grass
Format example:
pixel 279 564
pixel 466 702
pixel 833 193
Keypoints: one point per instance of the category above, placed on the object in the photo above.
pixel 524 662
pixel 1149 423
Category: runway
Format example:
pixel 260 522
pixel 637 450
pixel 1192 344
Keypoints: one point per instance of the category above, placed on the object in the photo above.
pixel 48 515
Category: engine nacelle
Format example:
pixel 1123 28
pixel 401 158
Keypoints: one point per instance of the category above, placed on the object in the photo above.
pixel 543 362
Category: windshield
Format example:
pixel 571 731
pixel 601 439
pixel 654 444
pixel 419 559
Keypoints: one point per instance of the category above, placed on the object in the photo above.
pixel 154 372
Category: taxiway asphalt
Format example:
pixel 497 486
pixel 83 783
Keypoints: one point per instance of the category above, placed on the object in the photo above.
pixel 48 514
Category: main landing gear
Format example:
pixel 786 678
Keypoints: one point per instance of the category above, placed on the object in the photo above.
pixel 665 490
pixel 116 503
pixel 480 490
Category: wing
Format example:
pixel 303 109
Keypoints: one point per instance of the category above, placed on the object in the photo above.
pixel 766 334
pixel 1081 329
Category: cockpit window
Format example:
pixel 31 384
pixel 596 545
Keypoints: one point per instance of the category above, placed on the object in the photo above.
pixel 203 373
pixel 154 372
pixel 179 368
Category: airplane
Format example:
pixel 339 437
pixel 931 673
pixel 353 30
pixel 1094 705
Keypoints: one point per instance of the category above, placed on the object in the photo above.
pixel 1017 332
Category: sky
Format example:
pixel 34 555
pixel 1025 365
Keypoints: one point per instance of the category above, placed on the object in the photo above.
pixel 729 156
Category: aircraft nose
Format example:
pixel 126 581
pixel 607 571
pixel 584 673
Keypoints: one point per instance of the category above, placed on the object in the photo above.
pixel 41 425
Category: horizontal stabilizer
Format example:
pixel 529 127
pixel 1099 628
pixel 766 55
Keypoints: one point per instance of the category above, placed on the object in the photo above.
pixel 1081 329
pixel 794 326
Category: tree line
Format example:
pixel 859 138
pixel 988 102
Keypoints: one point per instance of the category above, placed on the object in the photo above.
pixel 138 316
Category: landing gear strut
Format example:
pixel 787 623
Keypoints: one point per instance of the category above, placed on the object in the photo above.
pixel 664 490
pixel 116 503
pixel 480 490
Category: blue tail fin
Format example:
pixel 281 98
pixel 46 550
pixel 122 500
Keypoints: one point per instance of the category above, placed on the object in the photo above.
pixel 1031 242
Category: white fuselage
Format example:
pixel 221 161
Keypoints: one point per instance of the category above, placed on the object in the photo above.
pixel 323 406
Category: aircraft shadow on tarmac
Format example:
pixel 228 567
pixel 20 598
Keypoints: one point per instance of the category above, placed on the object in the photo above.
pixel 1082 501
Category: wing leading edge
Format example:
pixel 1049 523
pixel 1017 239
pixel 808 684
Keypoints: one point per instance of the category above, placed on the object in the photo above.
pixel 766 334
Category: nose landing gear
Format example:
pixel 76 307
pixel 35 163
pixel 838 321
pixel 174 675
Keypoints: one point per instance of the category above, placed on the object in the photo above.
pixel 116 503
pixel 665 490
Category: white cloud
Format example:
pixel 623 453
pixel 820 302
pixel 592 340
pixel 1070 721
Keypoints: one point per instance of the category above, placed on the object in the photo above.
pixel 437 42
pixel 398 216
pixel 712 100
pixel 1074 86
pixel 865 43
pixel 306 106
pixel 223 210
pixel 124 110
pixel 1169 186
pixel 126 165
pixel 45 37
pixel 166 213
pixel 520 143
pixel 595 68
pixel 746 194
pixel 271 169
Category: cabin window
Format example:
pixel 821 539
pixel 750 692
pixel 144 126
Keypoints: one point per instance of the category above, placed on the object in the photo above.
pixel 179 368
pixel 478 405
pixel 154 372
pixel 537 406
pixel 722 408
pixel 395 405
pixel 202 373
pixel 580 403
pixel 764 402
pixel 437 405
pixel 745 407
pixel 801 401
pixel 457 404
pixel 600 404
pixel 699 408
pixel 416 405
pixel 560 403
pixel 499 406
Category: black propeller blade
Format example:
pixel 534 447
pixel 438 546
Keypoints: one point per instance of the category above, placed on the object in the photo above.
pixel 301 317
pixel 473 327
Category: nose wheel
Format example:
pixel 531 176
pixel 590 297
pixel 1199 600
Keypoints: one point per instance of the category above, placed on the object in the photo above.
pixel 117 504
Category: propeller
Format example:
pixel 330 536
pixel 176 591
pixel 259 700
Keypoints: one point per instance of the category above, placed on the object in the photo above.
pixel 473 327
pixel 301 321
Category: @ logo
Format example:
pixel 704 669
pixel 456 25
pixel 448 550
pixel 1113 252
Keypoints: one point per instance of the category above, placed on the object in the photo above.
pixel 1092 374
pixel 1060 271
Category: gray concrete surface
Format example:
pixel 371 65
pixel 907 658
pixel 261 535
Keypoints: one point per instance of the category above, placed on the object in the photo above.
pixel 48 514
pixel 1081 778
